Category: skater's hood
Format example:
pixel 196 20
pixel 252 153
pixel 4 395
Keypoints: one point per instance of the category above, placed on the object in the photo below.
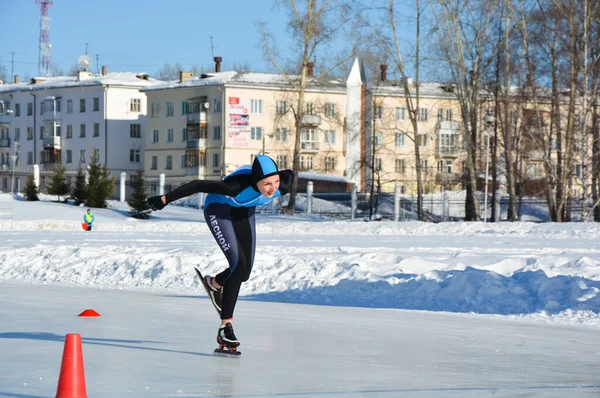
pixel 263 167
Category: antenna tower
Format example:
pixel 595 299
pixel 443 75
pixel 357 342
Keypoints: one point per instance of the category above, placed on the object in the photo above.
pixel 45 46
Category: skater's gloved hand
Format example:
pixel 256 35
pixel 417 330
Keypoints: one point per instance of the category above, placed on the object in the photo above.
pixel 156 203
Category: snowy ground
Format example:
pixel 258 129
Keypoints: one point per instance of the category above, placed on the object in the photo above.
pixel 537 284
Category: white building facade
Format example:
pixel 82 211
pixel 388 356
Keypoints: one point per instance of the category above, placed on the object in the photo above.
pixel 67 120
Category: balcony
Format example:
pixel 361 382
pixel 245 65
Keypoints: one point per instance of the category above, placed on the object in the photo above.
pixel 448 151
pixel 5 143
pixel 196 117
pixel 51 156
pixel 52 142
pixel 195 171
pixel 535 155
pixel 449 126
pixel 309 146
pixel 195 143
pixel 6 118
pixel 311 121
pixel 52 116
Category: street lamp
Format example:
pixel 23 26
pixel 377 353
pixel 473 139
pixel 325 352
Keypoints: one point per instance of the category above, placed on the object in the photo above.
pixel 489 121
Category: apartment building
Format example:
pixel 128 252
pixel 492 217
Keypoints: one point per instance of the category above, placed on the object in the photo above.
pixel 204 127
pixel 66 120
pixel 378 118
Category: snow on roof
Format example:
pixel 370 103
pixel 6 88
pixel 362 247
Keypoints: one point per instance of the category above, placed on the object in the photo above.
pixel 114 78
pixel 247 78
pixel 322 177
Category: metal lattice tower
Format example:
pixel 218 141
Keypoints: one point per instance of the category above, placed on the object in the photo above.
pixel 45 46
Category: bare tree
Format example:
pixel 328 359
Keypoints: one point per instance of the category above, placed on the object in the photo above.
pixel 313 23
pixel 464 31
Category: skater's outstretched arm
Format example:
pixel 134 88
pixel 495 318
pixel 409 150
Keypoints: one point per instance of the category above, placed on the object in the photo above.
pixel 231 186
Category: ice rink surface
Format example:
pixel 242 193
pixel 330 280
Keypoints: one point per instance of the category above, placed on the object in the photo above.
pixel 154 344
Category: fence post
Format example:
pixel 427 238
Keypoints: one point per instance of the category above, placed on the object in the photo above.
pixel 445 205
pixel 497 207
pixel 397 202
pixel 354 204
pixel 275 204
pixel 123 179
pixel 161 184
pixel 36 176
pixel 201 197
pixel 309 194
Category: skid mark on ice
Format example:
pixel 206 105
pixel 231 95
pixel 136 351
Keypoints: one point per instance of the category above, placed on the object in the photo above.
pixel 10 395
pixel 95 341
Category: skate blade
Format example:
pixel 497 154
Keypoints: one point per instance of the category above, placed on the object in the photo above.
pixel 228 352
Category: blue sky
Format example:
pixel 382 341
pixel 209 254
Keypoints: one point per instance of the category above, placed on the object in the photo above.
pixel 136 35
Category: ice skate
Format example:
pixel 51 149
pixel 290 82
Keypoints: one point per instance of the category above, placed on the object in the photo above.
pixel 215 294
pixel 227 341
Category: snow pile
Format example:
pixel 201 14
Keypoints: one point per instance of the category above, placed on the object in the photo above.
pixel 551 271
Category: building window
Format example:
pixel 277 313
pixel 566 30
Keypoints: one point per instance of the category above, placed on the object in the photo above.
pixel 135 130
pixel 330 137
pixel 306 162
pixel 400 139
pixel 42 107
pixel 29 108
pixel 329 163
pixel 216 106
pixel 69 106
pixel 155 108
pixel 155 136
pixel 281 107
pixel 379 112
pixel 255 106
pixel 445 166
pixel 444 115
pixel 400 113
pixel 135 105
pixel 184 134
pixel 378 164
pixel 42 132
pixel 216 160
pixel 422 114
pixel 170 109
pixel 69 131
pixel 170 135
pixel 81 105
pixel 309 140
pixel 169 164
pixel 82 130
pixel 422 140
pixel 17 110
pixel 309 108
pixel 154 165
pixel 96 104
pixel 281 134
pixel 400 166
pixel 217 133
pixel 134 155
pixel 256 133
pixel 17 134
pixel 282 161
pixel 69 156
pixel 82 156
pixel 96 129
pixel 330 110
pixel 29 133
pixel 183 161
pixel 29 157
pixel 535 170
pixel 378 139
pixel 424 166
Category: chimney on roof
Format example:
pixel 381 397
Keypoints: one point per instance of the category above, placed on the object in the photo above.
pixel 383 68
pixel 218 64
pixel 16 79
pixel 104 71
pixel 183 76
pixel 310 69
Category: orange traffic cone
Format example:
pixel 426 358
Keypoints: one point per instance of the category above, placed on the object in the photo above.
pixel 71 382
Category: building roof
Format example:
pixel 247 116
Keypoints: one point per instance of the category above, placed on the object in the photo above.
pixel 235 78
pixel 131 79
